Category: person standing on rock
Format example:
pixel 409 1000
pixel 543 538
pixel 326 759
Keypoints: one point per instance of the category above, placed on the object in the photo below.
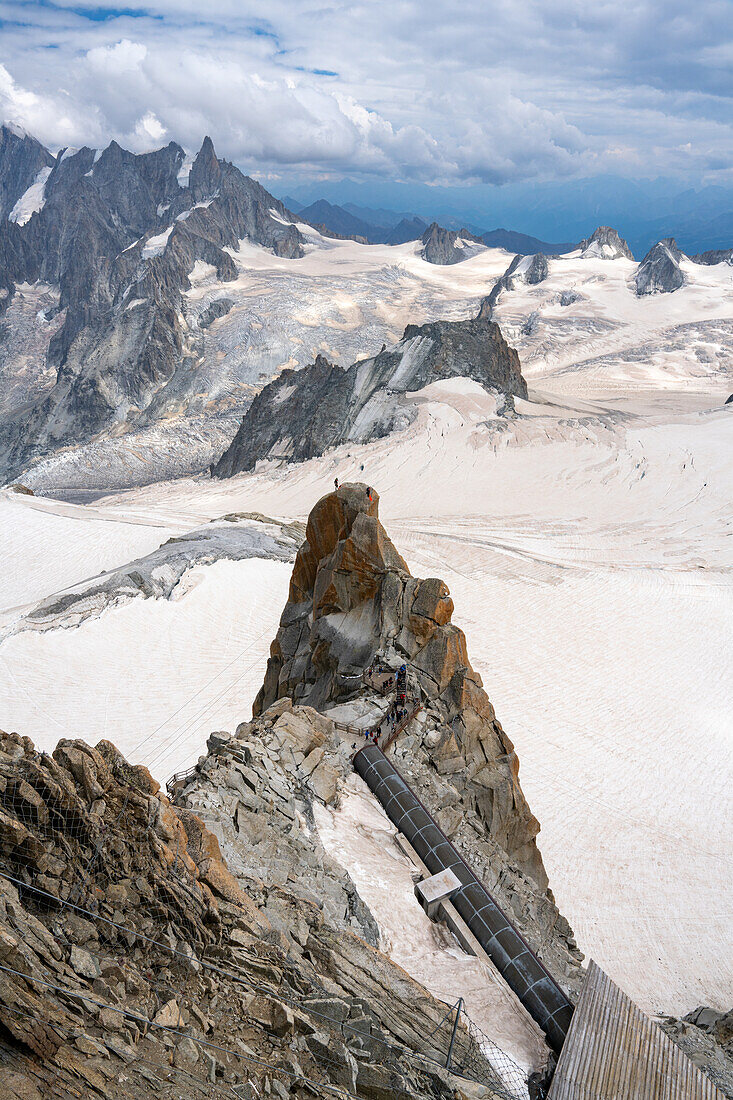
pixel 335 483
pixel 369 491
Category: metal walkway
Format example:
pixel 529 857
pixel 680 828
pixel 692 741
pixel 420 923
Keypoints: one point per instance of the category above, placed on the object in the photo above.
pixel 523 972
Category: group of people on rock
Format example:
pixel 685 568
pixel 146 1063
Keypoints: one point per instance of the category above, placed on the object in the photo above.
pixel 398 710
pixel 369 490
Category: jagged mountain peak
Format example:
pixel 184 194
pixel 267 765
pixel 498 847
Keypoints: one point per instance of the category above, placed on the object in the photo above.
pixel 670 244
pixel 447 246
pixel 119 236
pixel 660 272
pixel 606 244
pixel 206 171
pixel 12 130
pixel 24 164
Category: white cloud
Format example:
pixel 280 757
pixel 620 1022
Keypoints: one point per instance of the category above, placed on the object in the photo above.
pixel 123 57
pixel 148 129
pixel 432 91
pixel 50 118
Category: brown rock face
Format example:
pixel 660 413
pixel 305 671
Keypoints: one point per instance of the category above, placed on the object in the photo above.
pixel 352 598
pixel 330 628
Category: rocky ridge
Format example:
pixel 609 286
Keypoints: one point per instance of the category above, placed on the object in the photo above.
pixel 529 270
pixel 234 537
pixel 136 961
pixel 302 413
pixel 714 256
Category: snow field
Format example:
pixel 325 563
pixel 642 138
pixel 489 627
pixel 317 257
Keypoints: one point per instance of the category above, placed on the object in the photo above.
pixel 155 677
pixel 49 545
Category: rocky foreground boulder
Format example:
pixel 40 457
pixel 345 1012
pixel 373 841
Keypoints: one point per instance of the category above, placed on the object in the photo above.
pixel 135 961
pixel 302 413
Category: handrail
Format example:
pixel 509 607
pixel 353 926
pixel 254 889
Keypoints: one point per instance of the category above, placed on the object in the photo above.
pixel 180 778
pixel 401 726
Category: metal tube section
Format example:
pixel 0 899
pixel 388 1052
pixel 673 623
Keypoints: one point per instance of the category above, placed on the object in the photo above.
pixel 516 962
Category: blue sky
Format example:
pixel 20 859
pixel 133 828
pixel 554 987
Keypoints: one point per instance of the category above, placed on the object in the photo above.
pixel 451 96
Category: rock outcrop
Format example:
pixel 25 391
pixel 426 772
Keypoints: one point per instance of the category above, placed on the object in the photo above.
pixel 351 599
pixel 218 308
pixel 302 413
pixel 138 962
pixel 605 244
pixel 529 270
pixel 706 1037
pixel 660 272
pixel 447 246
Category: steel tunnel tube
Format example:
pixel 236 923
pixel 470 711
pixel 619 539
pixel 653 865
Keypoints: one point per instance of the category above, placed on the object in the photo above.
pixel 508 950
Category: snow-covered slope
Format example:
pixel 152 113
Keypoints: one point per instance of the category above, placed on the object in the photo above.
pixel 587 545
pixel 586 328
pixel 583 321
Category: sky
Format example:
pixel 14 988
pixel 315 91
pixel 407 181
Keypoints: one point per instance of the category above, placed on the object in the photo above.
pixel 470 95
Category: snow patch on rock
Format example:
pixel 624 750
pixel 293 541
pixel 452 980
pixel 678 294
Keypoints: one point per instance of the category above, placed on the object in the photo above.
pixel 155 245
pixel 32 200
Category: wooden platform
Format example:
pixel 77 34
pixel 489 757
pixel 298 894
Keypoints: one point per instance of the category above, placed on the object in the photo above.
pixel 614 1051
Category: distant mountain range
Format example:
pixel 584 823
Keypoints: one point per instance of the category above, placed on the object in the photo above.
pixel 523 244
pixel 337 219
pixel 557 211
pixel 391 227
